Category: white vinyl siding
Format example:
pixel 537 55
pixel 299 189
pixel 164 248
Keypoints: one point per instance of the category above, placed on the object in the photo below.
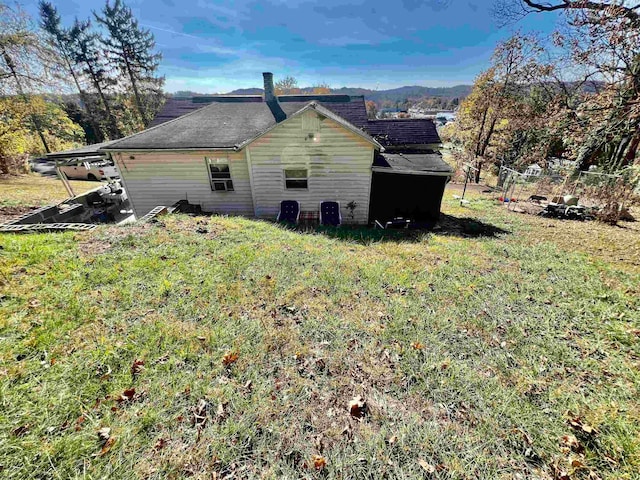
pixel 153 179
pixel 338 163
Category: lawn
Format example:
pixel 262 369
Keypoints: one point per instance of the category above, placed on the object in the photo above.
pixel 20 193
pixel 500 346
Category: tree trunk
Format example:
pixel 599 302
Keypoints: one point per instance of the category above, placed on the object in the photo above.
pixel 136 94
pixel 482 124
pixel 103 98
pixel 476 177
pixel 83 98
pixel 487 137
pixel 633 149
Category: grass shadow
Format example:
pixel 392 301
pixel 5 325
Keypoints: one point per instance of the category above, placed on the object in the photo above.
pixel 448 225
pixel 467 227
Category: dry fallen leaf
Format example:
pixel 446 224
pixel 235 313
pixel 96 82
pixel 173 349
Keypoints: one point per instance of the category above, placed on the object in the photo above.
pixel 319 462
pixel 79 421
pixel 221 413
pixel 160 444
pixel 230 358
pixel 358 407
pixel 526 437
pixel 104 433
pixel 578 424
pixel 570 442
pixel 137 367
pixel 21 430
pixel 576 463
pixel 107 446
pixel 127 395
pixel 200 413
pixel 427 467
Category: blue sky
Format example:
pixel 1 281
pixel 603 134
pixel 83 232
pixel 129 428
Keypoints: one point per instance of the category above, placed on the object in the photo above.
pixel 218 45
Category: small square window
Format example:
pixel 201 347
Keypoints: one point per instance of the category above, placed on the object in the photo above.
pixel 219 174
pixel 296 178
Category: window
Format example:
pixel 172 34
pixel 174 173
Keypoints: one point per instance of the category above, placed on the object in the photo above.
pixel 219 174
pixel 296 178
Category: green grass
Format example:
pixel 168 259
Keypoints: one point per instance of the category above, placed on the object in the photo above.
pixel 473 353
pixel 36 190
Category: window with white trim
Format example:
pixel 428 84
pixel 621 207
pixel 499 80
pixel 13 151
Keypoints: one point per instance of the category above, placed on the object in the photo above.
pixel 219 174
pixel 296 178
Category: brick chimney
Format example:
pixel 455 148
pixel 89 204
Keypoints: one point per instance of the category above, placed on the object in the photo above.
pixel 271 99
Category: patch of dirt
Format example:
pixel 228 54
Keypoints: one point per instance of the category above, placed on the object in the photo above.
pixel 9 213
pixel 531 208
pixel 93 246
pixel 118 232
pixel 471 187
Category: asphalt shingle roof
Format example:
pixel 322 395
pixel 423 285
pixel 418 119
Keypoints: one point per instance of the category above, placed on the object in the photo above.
pixel 351 108
pixel 410 131
pixel 416 162
pixel 216 125
pixel 228 121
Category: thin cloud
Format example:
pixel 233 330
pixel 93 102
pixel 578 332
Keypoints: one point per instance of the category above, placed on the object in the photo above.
pixel 169 31
pixel 203 47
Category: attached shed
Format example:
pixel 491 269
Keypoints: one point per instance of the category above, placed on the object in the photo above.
pixel 408 185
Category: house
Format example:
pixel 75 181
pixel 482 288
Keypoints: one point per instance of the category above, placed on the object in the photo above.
pixel 243 155
pixel 533 170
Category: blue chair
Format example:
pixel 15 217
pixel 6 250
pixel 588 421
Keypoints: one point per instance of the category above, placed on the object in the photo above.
pixel 289 211
pixel 330 214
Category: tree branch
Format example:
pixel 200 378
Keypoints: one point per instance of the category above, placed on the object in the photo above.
pixel 628 12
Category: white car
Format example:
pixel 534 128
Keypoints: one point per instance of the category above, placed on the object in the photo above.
pixel 91 171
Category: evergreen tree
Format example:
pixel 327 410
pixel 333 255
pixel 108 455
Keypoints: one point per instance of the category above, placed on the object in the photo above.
pixel 60 40
pixel 132 49
pixel 86 52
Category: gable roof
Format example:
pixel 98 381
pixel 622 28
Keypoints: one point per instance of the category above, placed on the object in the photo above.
pixel 349 107
pixel 221 125
pixel 232 121
pixel 410 131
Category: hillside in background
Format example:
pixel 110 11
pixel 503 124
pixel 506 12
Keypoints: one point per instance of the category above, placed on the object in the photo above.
pixel 392 96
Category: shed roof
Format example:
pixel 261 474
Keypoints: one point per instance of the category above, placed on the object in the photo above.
pixel 86 151
pixel 411 163
pixel 409 131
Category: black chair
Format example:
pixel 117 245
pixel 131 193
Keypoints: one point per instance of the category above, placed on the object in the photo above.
pixel 289 211
pixel 330 214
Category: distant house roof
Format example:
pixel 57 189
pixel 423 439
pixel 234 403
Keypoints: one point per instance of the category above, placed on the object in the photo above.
pixel 410 131
pixel 428 163
pixel 86 151
pixel 221 125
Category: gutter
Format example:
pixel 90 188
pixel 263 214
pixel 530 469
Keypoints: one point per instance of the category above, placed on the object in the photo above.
pixel 199 149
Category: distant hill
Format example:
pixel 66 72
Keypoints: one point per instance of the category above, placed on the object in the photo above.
pixel 393 95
